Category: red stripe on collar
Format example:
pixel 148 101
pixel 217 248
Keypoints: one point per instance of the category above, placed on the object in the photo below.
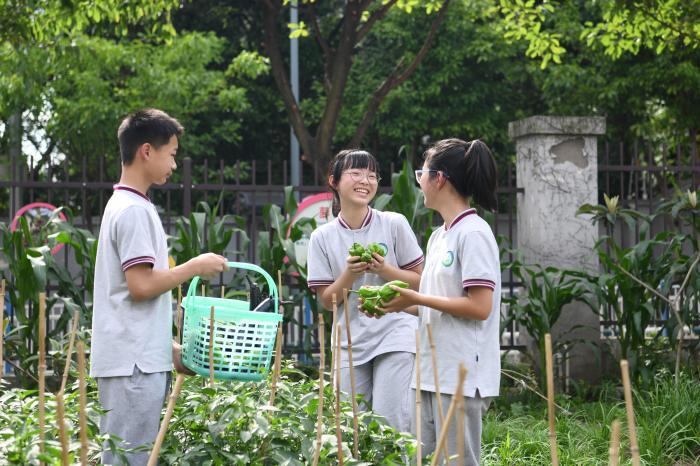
pixel 123 187
pixel 460 217
pixel 365 222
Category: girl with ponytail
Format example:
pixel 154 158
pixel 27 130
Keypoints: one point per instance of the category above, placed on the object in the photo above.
pixel 460 291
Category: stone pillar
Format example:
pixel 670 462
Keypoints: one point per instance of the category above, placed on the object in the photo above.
pixel 557 165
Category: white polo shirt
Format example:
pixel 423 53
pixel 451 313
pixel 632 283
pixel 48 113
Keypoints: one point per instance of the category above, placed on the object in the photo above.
pixel 462 255
pixel 328 251
pixel 124 332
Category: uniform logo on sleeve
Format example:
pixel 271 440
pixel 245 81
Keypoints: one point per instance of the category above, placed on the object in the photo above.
pixel 448 259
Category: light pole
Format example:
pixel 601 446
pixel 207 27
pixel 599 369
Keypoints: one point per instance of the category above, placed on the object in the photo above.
pixel 294 72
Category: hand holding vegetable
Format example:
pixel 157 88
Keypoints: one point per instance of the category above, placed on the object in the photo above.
pixel 374 297
pixel 365 253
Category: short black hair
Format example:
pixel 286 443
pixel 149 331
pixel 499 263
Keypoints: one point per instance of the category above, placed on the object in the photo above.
pixel 148 125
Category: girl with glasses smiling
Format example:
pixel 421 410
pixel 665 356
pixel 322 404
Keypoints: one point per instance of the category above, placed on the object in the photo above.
pixel 383 351
pixel 460 292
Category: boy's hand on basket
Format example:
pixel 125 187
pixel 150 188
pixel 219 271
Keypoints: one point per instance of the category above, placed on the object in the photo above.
pixel 177 361
pixel 209 265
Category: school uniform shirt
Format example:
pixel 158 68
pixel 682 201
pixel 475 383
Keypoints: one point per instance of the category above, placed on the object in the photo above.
pixel 328 252
pixel 459 256
pixel 126 333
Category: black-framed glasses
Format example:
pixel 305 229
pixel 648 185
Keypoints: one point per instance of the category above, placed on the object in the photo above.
pixel 419 173
pixel 359 176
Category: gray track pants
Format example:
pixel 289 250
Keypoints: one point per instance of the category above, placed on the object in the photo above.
pixel 385 384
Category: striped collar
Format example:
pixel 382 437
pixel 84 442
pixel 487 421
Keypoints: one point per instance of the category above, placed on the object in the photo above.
pixel 460 217
pixel 123 187
pixel 365 222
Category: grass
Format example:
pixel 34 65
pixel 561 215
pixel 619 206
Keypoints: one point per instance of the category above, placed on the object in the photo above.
pixel 667 416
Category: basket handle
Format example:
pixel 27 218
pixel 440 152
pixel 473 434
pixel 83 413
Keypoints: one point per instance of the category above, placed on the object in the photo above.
pixel 192 291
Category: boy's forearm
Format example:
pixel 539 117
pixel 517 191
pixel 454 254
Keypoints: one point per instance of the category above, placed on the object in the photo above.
pixel 153 282
pixel 344 281
pixel 411 277
pixel 464 307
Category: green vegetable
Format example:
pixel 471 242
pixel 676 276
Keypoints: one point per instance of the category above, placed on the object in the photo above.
pixel 365 253
pixel 374 296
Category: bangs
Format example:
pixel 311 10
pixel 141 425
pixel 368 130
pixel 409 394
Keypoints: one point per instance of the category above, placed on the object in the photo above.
pixel 360 159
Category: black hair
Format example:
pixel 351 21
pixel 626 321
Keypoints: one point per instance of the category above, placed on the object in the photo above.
pixel 345 160
pixel 469 167
pixel 147 125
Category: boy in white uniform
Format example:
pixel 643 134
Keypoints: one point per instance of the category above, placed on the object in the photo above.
pixel 382 350
pixel 132 351
pixel 460 292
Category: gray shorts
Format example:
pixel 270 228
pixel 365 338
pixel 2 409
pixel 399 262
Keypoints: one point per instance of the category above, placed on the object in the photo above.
pixel 133 404
pixel 474 409
pixel 384 382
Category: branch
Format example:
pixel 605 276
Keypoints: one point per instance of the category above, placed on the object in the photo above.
pixel 376 16
pixel 687 276
pixel 648 287
pixel 397 77
pixel 325 47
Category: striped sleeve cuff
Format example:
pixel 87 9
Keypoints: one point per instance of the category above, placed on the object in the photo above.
pixel 479 282
pixel 413 263
pixel 138 260
pixel 316 283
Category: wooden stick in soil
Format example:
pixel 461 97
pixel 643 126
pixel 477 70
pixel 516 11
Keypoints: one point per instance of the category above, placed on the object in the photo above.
pixel 321 375
pixel 355 429
pixel 42 369
pixel 211 348
pixel 71 342
pixel 338 433
pixel 419 445
pixel 60 421
pixel 278 345
pixel 179 312
pixel 2 326
pixel 460 431
pixel 433 354
pixel 550 399
pixel 153 459
pixel 615 443
pixel 631 426
pixel 334 354
pixel 459 391
pixel 82 386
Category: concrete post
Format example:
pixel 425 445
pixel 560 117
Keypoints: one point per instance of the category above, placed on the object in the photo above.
pixel 557 165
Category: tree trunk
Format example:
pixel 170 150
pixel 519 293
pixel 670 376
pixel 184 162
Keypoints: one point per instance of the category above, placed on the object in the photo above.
pixel 14 128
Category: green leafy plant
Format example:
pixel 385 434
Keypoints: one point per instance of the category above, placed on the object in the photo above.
pixel 406 198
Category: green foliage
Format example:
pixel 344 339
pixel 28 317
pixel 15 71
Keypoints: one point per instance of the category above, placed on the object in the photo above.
pixel 19 427
pixel 406 198
pixel 546 292
pixel 229 424
pixel 31 267
pixel 661 262
pixel 205 231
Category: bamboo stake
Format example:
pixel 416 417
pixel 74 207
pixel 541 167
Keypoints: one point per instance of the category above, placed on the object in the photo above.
pixel 60 421
pixel 615 443
pixel 459 391
pixel 211 348
pixel 338 433
pixel 321 369
pixel 2 327
pixel 153 458
pixel 223 291
pixel 355 429
pixel 334 354
pixel 419 446
pixel 550 399
pixel 631 426
pixel 460 431
pixel 433 354
pixel 82 385
pixel 42 369
pixel 179 312
pixel 71 342
pixel 278 345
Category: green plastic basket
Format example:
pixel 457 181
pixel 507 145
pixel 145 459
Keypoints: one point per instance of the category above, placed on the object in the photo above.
pixel 244 340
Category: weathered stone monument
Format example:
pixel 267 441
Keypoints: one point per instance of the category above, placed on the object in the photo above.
pixel 557 165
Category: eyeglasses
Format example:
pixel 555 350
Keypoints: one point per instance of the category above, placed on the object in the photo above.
pixel 359 176
pixel 419 173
